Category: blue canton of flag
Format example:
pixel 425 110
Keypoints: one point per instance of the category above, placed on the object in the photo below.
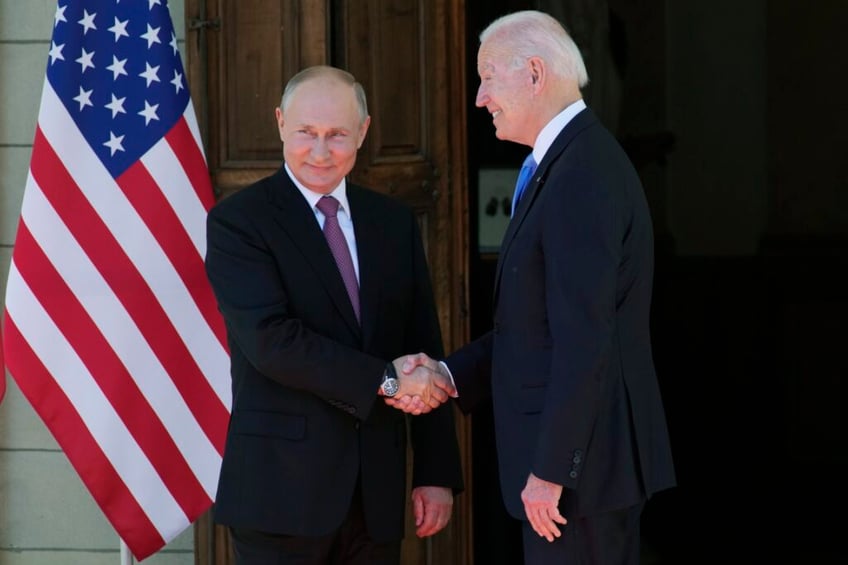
pixel 117 69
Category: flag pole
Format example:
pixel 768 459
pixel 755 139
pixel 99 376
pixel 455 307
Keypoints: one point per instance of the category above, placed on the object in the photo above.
pixel 126 555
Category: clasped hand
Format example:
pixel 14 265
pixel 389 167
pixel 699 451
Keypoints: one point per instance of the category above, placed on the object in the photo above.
pixel 423 384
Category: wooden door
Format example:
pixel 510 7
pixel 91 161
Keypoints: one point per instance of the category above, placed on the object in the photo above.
pixel 409 55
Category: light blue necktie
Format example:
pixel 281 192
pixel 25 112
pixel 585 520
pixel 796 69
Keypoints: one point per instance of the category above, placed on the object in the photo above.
pixel 527 170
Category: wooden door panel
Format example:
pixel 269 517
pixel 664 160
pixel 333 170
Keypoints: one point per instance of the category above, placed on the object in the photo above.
pixel 254 49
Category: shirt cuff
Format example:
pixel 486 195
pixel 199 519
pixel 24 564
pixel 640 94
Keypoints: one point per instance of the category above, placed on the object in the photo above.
pixel 448 371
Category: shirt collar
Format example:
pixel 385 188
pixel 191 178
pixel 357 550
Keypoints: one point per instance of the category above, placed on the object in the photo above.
pixel 549 133
pixel 312 197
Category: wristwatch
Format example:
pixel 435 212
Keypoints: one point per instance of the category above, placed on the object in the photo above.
pixel 390 381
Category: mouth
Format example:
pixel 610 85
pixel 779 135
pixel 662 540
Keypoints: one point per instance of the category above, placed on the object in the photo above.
pixel 495 114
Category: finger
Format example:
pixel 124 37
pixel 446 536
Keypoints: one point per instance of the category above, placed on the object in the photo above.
pixel 415 403
pixel 556 516
pixel 413 361
pixel 418 509
pixel 427 527
pixel 439 395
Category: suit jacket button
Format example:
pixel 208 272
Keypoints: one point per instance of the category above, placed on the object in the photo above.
pixel 573 474
pixel 576 460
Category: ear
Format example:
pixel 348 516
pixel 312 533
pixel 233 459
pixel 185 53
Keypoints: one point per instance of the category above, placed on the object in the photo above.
pixel 363 129
pixel 280 121
pixel 538 73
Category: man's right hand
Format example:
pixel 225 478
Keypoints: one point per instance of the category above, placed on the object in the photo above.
pixel 423 384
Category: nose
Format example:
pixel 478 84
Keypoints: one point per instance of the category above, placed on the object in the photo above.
pixel 482 97
pixel 320 149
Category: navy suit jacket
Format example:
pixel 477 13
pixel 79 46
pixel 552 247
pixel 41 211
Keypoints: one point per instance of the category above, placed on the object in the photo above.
pixel 568 362
pixel 306 420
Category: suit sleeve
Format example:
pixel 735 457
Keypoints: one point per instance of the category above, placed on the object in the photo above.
pixel 245 278
pixel 436 460
pixel 471 367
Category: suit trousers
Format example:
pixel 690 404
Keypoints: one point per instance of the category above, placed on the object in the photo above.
pixel 610 538
pixel 350 544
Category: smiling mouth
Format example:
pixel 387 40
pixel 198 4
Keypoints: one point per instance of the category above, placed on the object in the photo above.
pixel 495 114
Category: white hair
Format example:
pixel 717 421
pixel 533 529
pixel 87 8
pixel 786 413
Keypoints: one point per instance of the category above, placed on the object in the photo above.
pixel 530 33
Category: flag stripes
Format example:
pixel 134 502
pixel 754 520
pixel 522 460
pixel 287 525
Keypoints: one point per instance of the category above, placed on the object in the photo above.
pixel 111 329
pixel 103 365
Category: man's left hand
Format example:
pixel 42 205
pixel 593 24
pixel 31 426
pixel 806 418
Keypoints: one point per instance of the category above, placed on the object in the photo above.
pixel 541 504
pixel 432 507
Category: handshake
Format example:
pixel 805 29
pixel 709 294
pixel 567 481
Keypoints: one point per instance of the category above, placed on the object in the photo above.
pixel 423 384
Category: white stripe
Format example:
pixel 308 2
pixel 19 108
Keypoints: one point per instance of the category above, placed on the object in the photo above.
pixel 191 120
pixel 136 240
pixel 164 167
pixel 105 426
pixel 120 331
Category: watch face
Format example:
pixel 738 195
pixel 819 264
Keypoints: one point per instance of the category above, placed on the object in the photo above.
pixel 390 387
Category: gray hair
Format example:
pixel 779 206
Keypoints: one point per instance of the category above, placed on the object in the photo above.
pixel 317 71
pixel 530 33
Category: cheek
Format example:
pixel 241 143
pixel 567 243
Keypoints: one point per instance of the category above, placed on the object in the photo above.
pixel 343 149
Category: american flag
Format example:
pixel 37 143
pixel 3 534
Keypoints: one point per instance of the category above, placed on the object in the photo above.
pixel 111 329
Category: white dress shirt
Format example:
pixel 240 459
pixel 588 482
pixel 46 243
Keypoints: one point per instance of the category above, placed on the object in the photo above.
pixel 344 215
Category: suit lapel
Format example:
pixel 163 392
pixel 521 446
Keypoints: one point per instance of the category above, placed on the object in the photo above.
pixel 298 220
pixel 580 122
pixel 368 228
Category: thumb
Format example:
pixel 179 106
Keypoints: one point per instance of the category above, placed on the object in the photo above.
pixel 410 362
pixel 418 509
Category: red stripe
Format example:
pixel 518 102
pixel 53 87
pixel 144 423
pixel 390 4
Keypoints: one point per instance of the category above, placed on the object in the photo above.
pixel 154 209
pixel 108 371
pixel 130 287
pixel 186 149
pixel 94 468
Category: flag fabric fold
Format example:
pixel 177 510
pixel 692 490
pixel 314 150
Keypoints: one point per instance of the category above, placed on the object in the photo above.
pixel 111 330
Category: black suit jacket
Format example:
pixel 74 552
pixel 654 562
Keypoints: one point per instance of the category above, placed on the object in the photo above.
pixel 306 420
pixel 568 362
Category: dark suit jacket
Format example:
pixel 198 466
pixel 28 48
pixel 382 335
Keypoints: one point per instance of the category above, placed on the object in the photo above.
pixel 568 361
pixel 306 419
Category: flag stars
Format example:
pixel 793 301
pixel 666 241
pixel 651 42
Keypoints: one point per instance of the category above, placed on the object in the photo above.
pixel 119 29
pixel 59 16
pixel 115 143
pixel 177 81
pixel 85 60
pixel 149 112
pixel 117 106
pixel 173 43
pixel 56 52
pixel 151 74
pixel 153 3
pixel 84 98
pixel 87 21
pixel 152 36
pixel 117 67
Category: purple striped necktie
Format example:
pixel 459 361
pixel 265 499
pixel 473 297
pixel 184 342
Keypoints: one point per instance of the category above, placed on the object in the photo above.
pixel 329 206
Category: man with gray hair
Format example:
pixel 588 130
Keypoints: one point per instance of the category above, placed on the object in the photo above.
pixel 323 285
pixel 580 427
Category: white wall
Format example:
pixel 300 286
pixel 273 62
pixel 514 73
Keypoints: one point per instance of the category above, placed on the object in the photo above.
pixel 46 514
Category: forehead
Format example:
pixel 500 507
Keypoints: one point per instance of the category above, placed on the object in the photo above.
pixel 491 57
pixel 323 102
